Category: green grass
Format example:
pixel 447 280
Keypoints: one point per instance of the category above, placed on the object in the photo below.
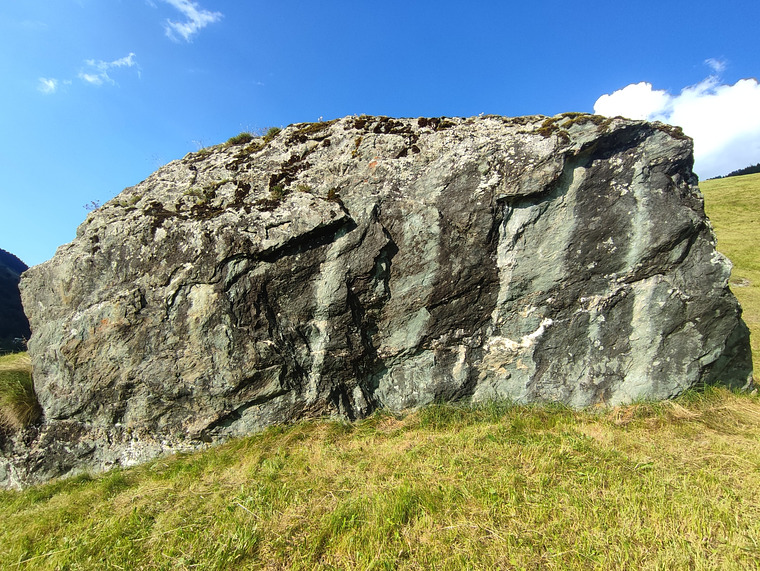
pixel 672 485
pixel 271 133
pixel 648 486
pixel 240 138
pixel 733 205
pixel 18 403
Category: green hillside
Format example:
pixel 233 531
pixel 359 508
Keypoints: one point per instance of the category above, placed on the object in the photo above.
pixel 672 485
pixel 733 205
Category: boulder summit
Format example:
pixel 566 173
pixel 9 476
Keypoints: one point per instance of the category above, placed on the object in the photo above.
pixel 333 268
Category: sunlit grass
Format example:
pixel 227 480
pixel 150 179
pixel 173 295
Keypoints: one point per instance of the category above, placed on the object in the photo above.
pixel 647 486
pixel 18 402
pixel 733 205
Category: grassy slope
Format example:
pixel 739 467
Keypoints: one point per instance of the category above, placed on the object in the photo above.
pixel 669 486
pixel 733 205
pixel 14 360
pixel 648 486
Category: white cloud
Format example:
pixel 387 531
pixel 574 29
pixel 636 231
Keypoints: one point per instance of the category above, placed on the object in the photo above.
pixel 94 79
pixel 197 19
pixel 97 70
pixel 126 61
pixel 47 85
pixel 723 120
pixel 635 101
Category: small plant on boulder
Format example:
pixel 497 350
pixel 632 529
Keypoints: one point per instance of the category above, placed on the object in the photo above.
pixel 271 133
pixel 240 139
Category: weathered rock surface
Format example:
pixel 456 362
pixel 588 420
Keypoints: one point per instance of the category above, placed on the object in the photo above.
pixel 375 262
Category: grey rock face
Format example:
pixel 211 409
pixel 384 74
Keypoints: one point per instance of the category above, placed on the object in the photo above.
pixel 374 262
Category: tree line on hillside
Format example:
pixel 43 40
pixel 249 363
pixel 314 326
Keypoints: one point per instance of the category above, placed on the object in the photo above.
pixel 753 169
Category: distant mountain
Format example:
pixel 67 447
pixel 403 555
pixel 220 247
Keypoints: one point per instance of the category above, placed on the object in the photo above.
pixel 13 323
pixel 13 262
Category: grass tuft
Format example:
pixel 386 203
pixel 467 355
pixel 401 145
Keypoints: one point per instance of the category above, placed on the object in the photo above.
pixel 240 139
pixel 18 402
pixel 271 133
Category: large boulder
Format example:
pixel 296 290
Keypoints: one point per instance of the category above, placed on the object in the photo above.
pixel 373 262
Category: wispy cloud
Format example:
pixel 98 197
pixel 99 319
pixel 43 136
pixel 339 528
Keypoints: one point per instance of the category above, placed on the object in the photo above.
pixel 723 120
pixel 97 71
pixel 716 65
pixel 196 19
pixel 34 25
pixel 47 85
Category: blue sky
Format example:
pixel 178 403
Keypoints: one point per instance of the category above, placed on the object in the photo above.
pixel 97 94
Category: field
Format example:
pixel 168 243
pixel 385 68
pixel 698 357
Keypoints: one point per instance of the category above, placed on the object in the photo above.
pixel 733 205
pixel 672 485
